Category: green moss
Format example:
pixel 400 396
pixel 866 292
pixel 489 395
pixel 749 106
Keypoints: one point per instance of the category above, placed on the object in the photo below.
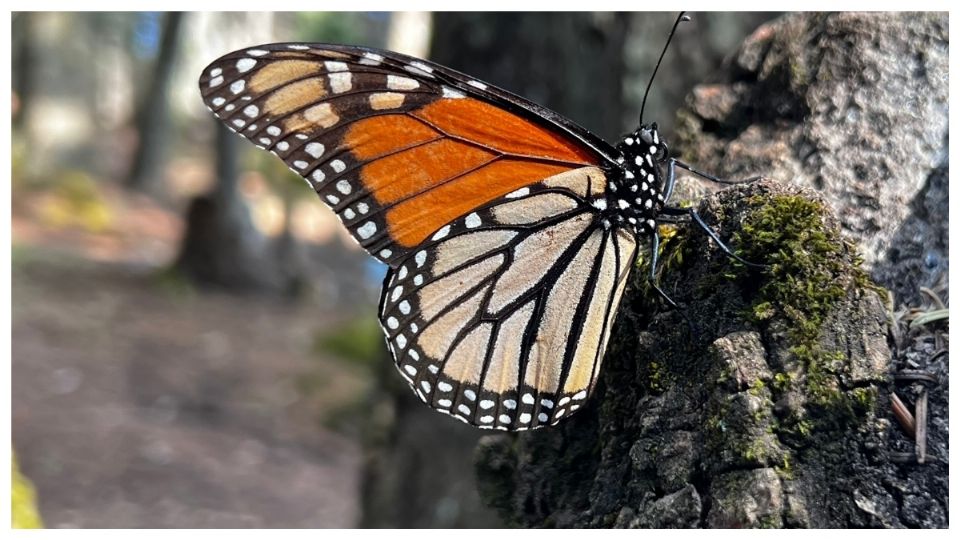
pixel 809 271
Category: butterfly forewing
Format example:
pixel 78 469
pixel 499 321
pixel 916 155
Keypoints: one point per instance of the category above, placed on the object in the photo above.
pixel 396 146
pixel 501 319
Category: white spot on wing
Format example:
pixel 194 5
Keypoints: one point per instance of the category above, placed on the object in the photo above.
pixel 315 149
pixel 477 84
pixel 251 110
pixel 442 233
pixel 318 176
pixel 444 387
pixel 216 81
pixel 367 230
pixel 273 130
pixel 344 187
pixel 218 101
pixel 419 68
pixel 385 253
pixel 337 165
pixel 396 82
pixel 335 66
pixel 472 221
pixel 518 193
pixel 245 64
pixel 451 93
pixel 237 86
pixel 257 52
pixel 371 59
pixel 341 82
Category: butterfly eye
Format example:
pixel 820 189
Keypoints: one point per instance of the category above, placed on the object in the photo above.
pixel 646 136
pixel 662 152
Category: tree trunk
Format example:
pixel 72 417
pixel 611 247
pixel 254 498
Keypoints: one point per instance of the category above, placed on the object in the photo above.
pixel 221 246
pixel 25 60
pixel 153 111
pixel 775 411
pixel 569 62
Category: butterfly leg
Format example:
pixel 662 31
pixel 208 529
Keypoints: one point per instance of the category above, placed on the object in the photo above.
pixel 695 216
pixel 652 280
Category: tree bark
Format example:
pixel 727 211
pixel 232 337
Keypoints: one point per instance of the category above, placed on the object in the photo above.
pixel 775 411
pixel 153 111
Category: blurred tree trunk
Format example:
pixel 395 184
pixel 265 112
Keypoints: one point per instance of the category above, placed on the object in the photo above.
pixel 572 63
pixel 153 111
pixel 24 65
pixel 221 246
pixel 419 470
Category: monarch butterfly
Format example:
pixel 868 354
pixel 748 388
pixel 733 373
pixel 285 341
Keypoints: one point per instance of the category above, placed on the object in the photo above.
pixel 509 231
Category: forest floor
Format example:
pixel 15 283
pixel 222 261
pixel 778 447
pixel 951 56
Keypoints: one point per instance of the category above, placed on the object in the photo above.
pixel 139 401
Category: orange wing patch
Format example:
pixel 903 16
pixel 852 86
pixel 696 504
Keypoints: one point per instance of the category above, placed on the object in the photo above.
pixel 450 156
pixel 413 220
pixel 491 126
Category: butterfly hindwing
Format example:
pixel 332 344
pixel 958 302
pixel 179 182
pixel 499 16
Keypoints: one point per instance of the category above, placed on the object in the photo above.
pixel 501 319
pixel 398 147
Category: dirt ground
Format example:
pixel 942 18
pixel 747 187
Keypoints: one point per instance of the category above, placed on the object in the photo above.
pixel 137 403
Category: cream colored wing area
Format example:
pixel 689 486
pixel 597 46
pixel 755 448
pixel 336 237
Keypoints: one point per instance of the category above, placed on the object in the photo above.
pixel 618 258
pixel 549 348
pixel 500 320
pixel 532 256
pixel 586 181
pixel 533 209
pixel 626 256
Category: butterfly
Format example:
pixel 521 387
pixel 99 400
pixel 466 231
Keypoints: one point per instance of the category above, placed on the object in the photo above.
pixel 509 231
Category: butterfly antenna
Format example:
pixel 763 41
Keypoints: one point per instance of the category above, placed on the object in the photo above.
pixel 680 18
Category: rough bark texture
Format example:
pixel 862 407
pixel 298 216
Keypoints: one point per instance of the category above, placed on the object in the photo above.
pixel 851 104
pixel 776 412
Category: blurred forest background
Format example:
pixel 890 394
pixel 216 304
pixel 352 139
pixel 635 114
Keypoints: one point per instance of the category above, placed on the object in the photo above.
pixel 194 335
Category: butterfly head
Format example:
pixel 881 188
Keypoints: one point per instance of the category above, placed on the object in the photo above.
pixel 637 195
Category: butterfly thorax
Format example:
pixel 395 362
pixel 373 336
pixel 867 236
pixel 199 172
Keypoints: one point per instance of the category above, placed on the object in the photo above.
pixel 634 197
